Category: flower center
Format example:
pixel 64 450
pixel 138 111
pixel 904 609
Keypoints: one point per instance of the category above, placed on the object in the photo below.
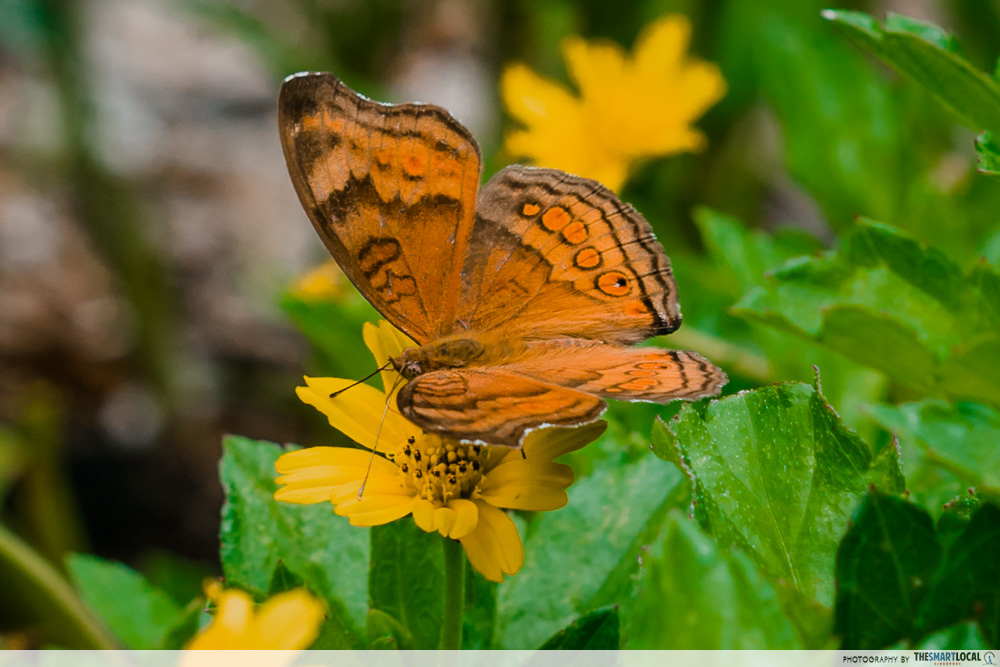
pixel 441 469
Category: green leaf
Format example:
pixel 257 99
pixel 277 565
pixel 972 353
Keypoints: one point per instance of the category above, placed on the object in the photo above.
pixel 585 556
pixel 884 567
pixel 696 595
pixel 892 304
pixel 967 585
pixel 820 87
pixel 597 631
pixel 137 612
pixel 962 437
pixel 899 578
pixel 186 628
pixel 924 53
pixel 406 580
pixel 282 581
pixel 331 327
pixel 311 542
pixel 988 150
pixel 776 473
pixel 385 632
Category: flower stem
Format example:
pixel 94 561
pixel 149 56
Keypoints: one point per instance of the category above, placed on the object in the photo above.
pixel 454 594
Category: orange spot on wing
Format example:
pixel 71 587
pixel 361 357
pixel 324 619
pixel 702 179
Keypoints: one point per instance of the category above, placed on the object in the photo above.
pixel 575 232
pixel 640 373
pixel 530 209
pixel 614 283
pixel 414 164
pixel 588 258
pixel 654 365
pixel 636 309
pixel 639 385
pixel 555 218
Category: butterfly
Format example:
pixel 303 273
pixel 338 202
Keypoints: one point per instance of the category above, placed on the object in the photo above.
pixel 525 296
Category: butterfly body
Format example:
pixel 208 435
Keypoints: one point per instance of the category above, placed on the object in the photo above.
pixel 525 297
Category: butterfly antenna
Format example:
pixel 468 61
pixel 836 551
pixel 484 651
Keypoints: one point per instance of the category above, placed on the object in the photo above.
pixel 385 410
pixel 365 378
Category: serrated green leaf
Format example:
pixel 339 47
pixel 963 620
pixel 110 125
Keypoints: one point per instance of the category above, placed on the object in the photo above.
pixel 988 152
pixel 963 437
pixel 924 53
pixel 258 532
pixel 696 595
pixel 777 474
pixel 884 568
pixel 137 612
pixel 597 631
pixel 406 580
pixel 584 556
pixel 886 301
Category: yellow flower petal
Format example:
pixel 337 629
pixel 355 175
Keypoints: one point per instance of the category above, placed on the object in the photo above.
pixel 357 413
pixel 527 497
pixel 466 517
pixel 494 547
pixel 288 621
pixel 386 342
pixel 548 444
pixel 385 510
pixel 526 471
pixel 444 519
pixel 315 474
pixel 659 49
pixel 423 514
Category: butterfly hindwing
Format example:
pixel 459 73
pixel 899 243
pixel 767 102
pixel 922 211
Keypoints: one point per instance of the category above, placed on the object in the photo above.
pixel 491 405
pixel 556 255
pixel 624 373
pixel 391 190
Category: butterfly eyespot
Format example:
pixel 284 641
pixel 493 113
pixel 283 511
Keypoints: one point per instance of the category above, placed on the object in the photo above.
pixel 587 258
pixel 530 209
pixel 575 233
pixel 405 468
pixel 614 283
pixel 555 218
pixel 411 440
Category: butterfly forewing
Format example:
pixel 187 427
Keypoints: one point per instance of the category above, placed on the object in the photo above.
pixel 556 255
pixel 391 190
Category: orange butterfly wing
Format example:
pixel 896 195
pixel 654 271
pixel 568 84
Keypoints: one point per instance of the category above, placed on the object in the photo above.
pixel 391 190
pixel 555 255
pixel 491 405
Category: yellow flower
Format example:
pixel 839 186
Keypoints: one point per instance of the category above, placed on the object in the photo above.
pixel 287 621
pixel 629 108
pixel 326 282
pixel 459 490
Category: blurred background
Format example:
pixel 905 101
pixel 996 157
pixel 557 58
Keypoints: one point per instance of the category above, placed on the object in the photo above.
pixel 149 233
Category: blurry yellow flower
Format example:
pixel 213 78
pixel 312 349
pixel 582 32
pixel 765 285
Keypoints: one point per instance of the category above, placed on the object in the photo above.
pixel 459 490
pixel 287 621
pixel 630 106
pixel 326 282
